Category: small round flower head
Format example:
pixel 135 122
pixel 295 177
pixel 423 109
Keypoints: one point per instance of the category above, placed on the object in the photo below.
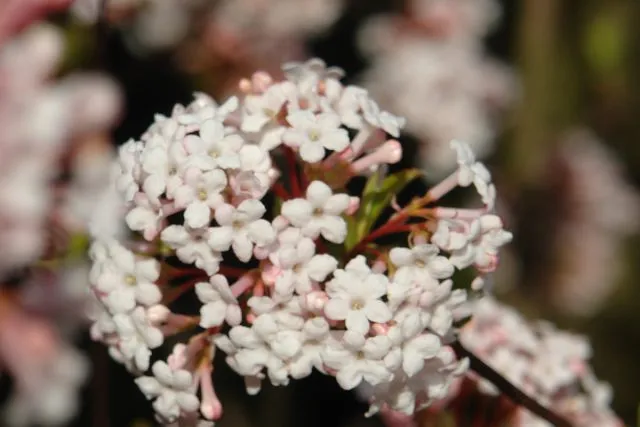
pixel 428 64
pixel 548 364
pixel 291 286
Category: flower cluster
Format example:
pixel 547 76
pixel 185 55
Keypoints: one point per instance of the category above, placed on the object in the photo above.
pixel 50 131
pixel 429 65
pixel 255 189
pixel 230 31
pixel 599 209
pixel 549 365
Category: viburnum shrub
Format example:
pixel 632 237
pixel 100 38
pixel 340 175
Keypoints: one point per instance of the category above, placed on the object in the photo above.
pixel 251 205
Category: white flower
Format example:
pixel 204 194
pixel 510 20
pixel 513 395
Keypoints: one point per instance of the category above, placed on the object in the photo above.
pixel 146 217
pixel 315 336
pixel 355 294
pixel 419 263
pixel 301 266
pixel 136 337
pixel 252 180
pixel 263 108
pixel 192 247
pixel 348 106
pixel 416 345
pixel 380 119
pixel 172 390
pixel 286 312
pixel 203 108
pixel 164 163
pixel 483 237
pixel 319 213
pixel 240 228
pixel 200 193
pixel 215 148
pixel 357 359
pixel 219 303
pixel 312 134
pixel 126 280
pixel 127 181
pixel 472 172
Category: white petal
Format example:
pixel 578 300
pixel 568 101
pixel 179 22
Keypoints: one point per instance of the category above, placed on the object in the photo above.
pixel 349 377
pixel 337 309
pixel 221 285
pixel 412 362
pixel 188 402
pixel 401 256
pixel 356 321
pixel 312 152
pixel 334 229
pixel 162 372
pixel 212 131
pixel 320 266
pixel 175 235
pixel 377 311
pixel 197 214
pixel 336 204
pixel 213 314
pixel 148 294
pixel 149 386
pixel 206 293
pixel 428 345
pixel 252 208
pixel 318 193
pixel 242 247
pixel 220 238
pixel 261 232
pixel 297 211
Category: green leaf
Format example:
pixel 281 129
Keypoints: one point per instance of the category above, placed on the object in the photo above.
pixel 377 195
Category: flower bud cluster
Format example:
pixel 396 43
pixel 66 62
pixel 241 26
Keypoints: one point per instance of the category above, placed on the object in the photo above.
pixel 548 364
pixel 198 186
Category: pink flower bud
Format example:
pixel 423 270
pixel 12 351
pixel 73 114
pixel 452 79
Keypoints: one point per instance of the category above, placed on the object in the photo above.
pixel 388 153
pixel 158 314
pixel 354 204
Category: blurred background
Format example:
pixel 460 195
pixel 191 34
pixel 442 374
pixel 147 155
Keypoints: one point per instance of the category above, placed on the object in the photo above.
pixel 546 92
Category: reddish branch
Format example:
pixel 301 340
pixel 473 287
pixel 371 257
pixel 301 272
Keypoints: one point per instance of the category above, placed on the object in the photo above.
pixel 292 165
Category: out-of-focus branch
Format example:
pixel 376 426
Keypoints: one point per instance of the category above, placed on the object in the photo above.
pixel 540 62
pixel 508 389
pixel 102 34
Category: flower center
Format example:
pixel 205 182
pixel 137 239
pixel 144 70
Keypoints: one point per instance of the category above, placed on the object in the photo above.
pixel 360 355
pixel 130 280
pixel 213 153
pixel 237 224
pixel 357 305
pixel 202 195
pixel 318 212
pixel 420 263
pixel 314 135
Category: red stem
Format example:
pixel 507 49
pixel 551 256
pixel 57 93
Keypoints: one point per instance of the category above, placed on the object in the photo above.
pixel 280 191
pixel 396 225
pixel 290 155
pixel 232 271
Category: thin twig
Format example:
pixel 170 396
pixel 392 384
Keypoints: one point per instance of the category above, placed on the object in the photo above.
pixel 509 390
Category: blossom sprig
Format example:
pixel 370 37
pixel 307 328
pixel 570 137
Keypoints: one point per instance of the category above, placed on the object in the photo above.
pixel 246 204
pixel 548 366
pixel 55 157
